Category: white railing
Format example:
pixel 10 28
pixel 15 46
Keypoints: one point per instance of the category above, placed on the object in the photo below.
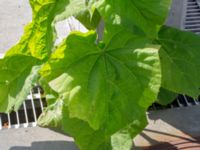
pixel 27 115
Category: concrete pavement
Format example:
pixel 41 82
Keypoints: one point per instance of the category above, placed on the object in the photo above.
pixel 167 126
pixel 14 15
pixel 34 139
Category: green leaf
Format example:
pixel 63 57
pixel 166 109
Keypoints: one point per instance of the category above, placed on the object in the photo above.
pixel 148 15
pixel 180 63
pixel 52 115
pixel 90 19
pixel 39 36
pixel 85 137
pixel 17 75
pixel 123 139
pixel 165 96
pixel 81 10
pixel 105 86
pixel 35 45
pixel 89 139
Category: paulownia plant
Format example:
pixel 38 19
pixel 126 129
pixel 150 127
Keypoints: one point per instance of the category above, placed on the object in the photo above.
pixel 99 89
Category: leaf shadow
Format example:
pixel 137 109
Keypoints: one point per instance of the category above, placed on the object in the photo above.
pixel 179 129
pixel 48 145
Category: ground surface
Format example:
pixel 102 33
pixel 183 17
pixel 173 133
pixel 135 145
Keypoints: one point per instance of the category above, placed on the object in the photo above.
pixel 14 15
pixel 34 139
pixel 177 128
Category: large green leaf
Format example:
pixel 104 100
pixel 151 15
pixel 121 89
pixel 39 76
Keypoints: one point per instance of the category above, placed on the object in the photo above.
pixel 89 139
pixel 180 62
pixel 147 15
pixel 17 76
pixel 105 85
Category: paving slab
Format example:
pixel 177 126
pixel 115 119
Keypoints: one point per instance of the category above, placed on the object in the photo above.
pixel 168 126
pixel 35 139
pixel 14 15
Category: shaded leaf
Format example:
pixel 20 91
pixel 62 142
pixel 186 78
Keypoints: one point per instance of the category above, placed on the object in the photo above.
pixel 166 97
pixel 180 62
pixel 148 15
pixel 17 77
pixel 90 19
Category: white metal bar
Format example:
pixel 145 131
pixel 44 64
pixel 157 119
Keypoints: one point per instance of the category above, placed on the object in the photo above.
pixel 18 122
pixel 186 100
pixel 33 106
pixel 196 101
pixel 36 96
pixel 179 104
pixel 9 121
pixel 0 123
pixel 26 115
pixel 40 99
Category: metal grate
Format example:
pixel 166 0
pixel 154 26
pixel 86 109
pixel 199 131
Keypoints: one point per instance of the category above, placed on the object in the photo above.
pixel 192 16
pixel 179 102
pixel 28 114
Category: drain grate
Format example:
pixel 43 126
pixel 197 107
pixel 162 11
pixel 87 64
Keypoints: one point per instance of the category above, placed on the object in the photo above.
pixel 28 114
pixel 192 16
pixel 179 102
